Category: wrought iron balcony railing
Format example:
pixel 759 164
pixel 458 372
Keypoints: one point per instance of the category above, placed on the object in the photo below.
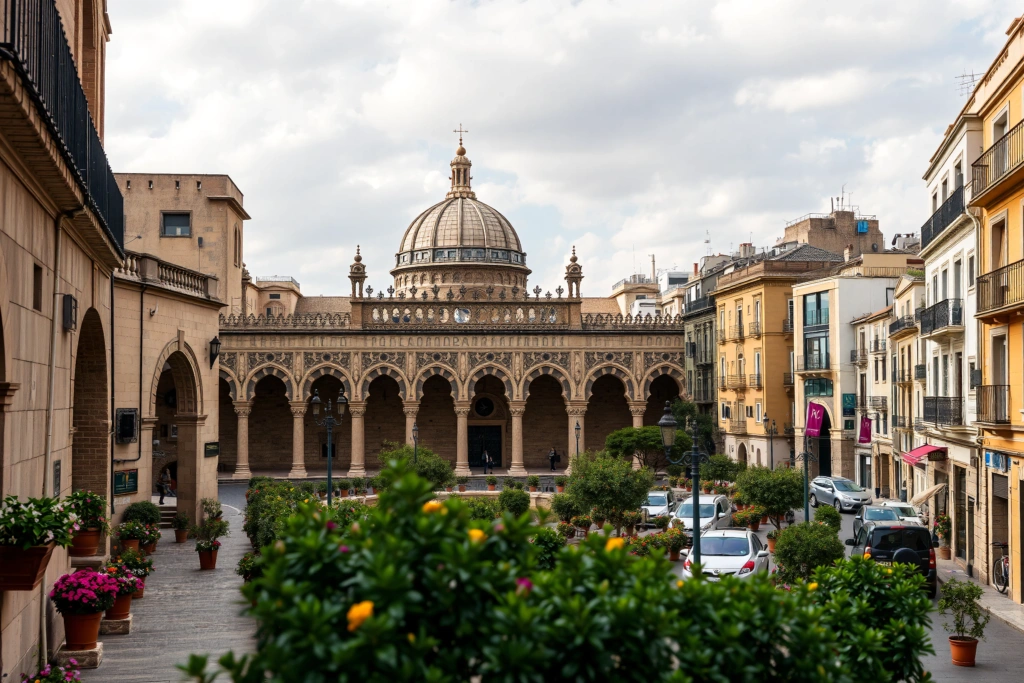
pixel 944 410
pixel 921 372
pixel 787 326
pixel 787 379
pixel 899 421
pixel 754 329
pixel 946 313
pixel 993 402
pixel 818 316
pixel 703 395
pixel 902 323
pixel 736 381
pixel 754 380
pixel 722 382
pixel 735 332
pixel 1005 155
pixel 878 346
pixel 813 362
pixel 1001 288
pixel 880 402
pixel 700 304
pixel 943 217
pixel 858 356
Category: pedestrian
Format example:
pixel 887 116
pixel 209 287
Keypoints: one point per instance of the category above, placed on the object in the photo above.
pixel 487 462
pixel 552 456
pixel 165 484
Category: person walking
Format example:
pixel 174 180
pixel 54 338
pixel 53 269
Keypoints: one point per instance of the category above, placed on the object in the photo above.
pixel 488 462
pixel 165 484
pixel 552 456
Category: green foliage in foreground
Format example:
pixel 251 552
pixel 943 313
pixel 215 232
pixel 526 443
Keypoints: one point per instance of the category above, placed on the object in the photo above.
pixel 802 548
pixel 417 590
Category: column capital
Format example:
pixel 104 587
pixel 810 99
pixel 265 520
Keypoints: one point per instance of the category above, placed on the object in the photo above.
pixel 637 409
pixel 242 408
pixel 517 410
pixel 357 408
pixel 576 409
pixel 462 410
pixel 298 408
pixel 410 411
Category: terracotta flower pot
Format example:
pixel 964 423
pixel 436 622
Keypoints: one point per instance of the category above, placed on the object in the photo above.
pixel 707 490
pixel 462 488
pixel 84 543
pixel 149 548
pixel 139 594
pixel 344 494
pixel 754 525
pixel 448 489
pixel 121 609
pixel 945 552
pixel 180 535
pixel 764 519
pixel 130 544
pixel 963 650
pixel 23 569
pixel 533 489
pixel 81 631
pixel 490 487
pixel 673 555
pixel 560 489
pixel 207 559
pixel 771 545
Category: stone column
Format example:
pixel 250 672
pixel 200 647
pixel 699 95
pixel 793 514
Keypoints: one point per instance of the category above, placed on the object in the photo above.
pixel 410 408
pixel 358 466
pixel 517 408
pixel 462 440
pixel 242 410
pixel 637 410
pixel 298 470
pixel 576 416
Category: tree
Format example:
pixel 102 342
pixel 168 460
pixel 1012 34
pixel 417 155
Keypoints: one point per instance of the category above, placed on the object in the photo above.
pixel 777 491
pixel 802 548
pixel 721 468
pixel 645 444
pixel 610 484
pixel 707 426
pixel 428 465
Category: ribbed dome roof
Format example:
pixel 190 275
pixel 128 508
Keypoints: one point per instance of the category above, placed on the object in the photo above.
pixel 460 222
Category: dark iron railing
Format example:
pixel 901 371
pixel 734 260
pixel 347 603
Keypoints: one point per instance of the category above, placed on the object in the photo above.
pixel 699 304
pixel 902 323
pixel 703 395
pixel 918 423
pixel 863 402
pixel 34 41
pixel 944 410
pixel 899 421
pixel 1001 287
pixel 813 362
pixel 736 381
pixel 721 382
pixel 754 380
pixel 736 332
pixel 858 356
pixel 787 326
pixel 1003 156
pixel 880 402
pixel 878 346
pixel 903 376
pixel 921 371
pixel 754 329
pixel 946 313
pixel 993 403
pixel 818 316
pixel 787 379
pixel 788 428
pixel 943 217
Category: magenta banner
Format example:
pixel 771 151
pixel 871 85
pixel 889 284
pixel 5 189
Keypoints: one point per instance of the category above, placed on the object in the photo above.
pixel 815 416
pixel 865 430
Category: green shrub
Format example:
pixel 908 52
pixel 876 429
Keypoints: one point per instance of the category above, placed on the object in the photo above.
pixel 608 485
pixel 533 480
pixel 561 480
pixel 515 501
pixel 721 468
pixel 256 482
pixel 802 548
pixel 342 485
pixel 548 542
pixel 428 465
pixel 307 487
pixel 492 481
pixel 483 508
pixel 674 471
pixel 144 512
pixel 829 516
pixel 777 491
pixel 564 506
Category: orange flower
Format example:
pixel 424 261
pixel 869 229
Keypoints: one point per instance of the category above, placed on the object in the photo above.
pixel 432 506
pixel 614 544
pixel 477 536
pixel 358 613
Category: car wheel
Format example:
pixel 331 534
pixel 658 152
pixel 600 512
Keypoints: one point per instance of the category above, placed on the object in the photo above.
pixel 813 501
pixel 837 506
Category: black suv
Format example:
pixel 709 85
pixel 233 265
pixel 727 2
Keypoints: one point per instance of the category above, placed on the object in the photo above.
pixel 886 542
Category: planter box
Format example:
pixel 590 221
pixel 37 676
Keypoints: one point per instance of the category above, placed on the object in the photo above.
pixel 85 543
pixel 22 570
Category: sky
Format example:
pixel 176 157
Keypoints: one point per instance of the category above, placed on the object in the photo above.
pixel 624 128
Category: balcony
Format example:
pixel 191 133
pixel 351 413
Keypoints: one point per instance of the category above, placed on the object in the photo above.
pixel 880 403
pixel 737 426
pixel 721 382
pixel 904 376
pixel 921 372
pixel 859 356
pixel 944 410
pixel 787 379
pixel 902 326
pixel 32 38
pixel 993 403
pixel 788 429
pixel 944 319
pixel 943 217
pixel 736 382
pixel 863 402
pixel 703 395
pixel 899 421
pixel 818 316
pixel 1001 290
pixel 754 381
pixel 735 333
pixel 787 326
pixel 754 329
pixel 815 362
pixel 918 423
pixel 701 304
pixel 1000 162
pixel 877 346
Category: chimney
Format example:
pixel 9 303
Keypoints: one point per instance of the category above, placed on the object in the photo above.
pixel 695 272
pixel 654 272
pixel 848 252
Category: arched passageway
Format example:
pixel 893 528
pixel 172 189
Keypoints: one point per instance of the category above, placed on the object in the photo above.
pixel 314 438
pixel 436 418
pixel 663 388
pixel 176 407
pixel 270 426
pixel 90 446
pixel 228 428
pixel 544 424
pixel 489 428
pixel 607 411
pixel 741 453
pixel 385 419
pixel 822 448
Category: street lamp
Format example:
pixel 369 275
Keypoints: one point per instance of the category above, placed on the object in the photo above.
pixel 415 441
pixel 771 431
pixel 330 422
pixel 668 425
pixel 577 430
pixel 806 456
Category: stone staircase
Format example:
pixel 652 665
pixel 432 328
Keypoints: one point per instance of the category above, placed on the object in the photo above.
pixel 167 513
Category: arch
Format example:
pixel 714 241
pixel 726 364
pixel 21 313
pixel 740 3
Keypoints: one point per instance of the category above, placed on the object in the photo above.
pixel 186 374
pixel 607 411
pixel 741 453
pixel 265 371
pixel 672 372
pixel 554 371
pixel 5 317
pixel 495 371
pixel 433 371
pixel 616 370
pixel 232 382
pixel 322 371
pixel 90 454
pixel 384 371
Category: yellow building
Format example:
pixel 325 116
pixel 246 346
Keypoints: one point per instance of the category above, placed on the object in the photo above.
pixel 904 352
pixel 998 196
pixel 755 350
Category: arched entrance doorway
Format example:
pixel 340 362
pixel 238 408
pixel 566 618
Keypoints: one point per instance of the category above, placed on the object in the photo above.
pixel 177 406
pixel 385 418
pixel 822 449
pixel 228 422
pixel 488 424
pixel 607 411
pixel 314 440
pixel 544 423
pixel 663 388
pixel 436 418
pixel 741 453
pixel 90 446
pixel 270 426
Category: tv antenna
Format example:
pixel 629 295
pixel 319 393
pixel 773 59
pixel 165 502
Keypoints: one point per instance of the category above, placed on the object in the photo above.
pixel 966 82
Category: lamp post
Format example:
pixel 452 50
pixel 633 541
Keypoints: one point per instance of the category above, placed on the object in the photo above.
pixel 668 425
pixel 415 442
pixel 330 422
pixel 806 456
pixel 771 431
pixel 577 430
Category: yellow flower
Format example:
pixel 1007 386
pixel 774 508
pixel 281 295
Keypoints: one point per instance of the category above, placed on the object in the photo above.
pixel 614 544
pixel 679 584
pixel 476 535
pixel 358 613
pixel 812 586
pixel 432 506
pixel 888 571
pixel 411 637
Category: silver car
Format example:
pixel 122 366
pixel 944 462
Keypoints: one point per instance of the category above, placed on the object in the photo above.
pixel 659 503
pixel 839 492
pixel 908 514
pixel 715 513
pixel 730 552
pixel 873 513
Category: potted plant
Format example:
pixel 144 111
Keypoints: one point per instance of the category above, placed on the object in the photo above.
pixel 357 486
pixel 212 508
pixel 706 486
pixel 773 536
pixel 533 481
pixel 321 489
pixel 739 501
pixel 148 544
pixel 560 482
pixel 720 489
pixel 944 530
pixel 566 530
pixel 599 517
pixel 141 567
pixel 144 512
pixel 130 534
pixel 127 585
pixel 492 482
pixel 344 485
pixel 449 483
pixel 462 481
pixel 673 482
pixel 90 510
pixel 581 522
pixel 751 517
pixel 661 522
pixel 55 674
pixel 675 540
pixel 249 567
pixel 630 518
pixel 82 598
pixel 29 532
pixel 180 524
pixel 207 545
pixel 960 599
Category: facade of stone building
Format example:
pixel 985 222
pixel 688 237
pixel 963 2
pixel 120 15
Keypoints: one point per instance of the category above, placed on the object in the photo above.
pixel 458 345
pixel 888 465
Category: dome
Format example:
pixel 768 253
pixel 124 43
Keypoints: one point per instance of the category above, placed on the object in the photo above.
pixel 460 222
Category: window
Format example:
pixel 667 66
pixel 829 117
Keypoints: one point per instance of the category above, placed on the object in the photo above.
pixel 958 175
pixel 883 368
pixel 945 189
pixel 816 309
pixel 37 287
pixel 750 411
pixel 275 296
pixel 935 201
pixel 970 271
pixel 238 247
pixel 957 278
pixel 817 387
pixel 757 413
pixel 176 225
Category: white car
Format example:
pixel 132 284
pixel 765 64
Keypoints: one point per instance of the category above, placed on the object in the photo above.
pixel 659 503
pixel 906 512
pixel 715 513
pixel 730 552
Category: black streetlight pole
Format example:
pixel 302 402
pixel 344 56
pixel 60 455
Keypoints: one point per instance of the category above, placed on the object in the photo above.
pixel 330 422
pixel 806 456
pixel 694 459
pixel 771 431
pixel 577 430
pixel 415 442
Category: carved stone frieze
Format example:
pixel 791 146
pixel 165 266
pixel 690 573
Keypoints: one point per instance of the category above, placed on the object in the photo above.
pixel 656 358
pixel 480 357
pixel 229 361
pixel 258 358
pixel 313 358
pixel 449 358
pixel 559 358
pixel 595 358
pixel 372 358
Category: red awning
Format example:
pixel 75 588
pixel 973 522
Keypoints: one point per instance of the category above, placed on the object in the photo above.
pixel 913 457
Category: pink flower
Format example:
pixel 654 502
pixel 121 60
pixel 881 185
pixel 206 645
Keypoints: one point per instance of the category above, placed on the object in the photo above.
pixel 331 526
pixel 523 586
pixel 342 548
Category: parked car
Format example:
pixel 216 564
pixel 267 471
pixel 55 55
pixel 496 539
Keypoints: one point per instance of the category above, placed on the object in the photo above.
pixel 715 513
pixel 887 542
pixel 659 503
pixel 730 552
pixel 839 492
pixel 873 513
pixel 907 512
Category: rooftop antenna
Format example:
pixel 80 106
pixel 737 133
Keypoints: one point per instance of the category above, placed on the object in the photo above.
pixel 707 241
pixel 842 197
pixel 966 82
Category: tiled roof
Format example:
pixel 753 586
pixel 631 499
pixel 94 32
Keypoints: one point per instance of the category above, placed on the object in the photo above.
pixel 323 304
pixel 806 252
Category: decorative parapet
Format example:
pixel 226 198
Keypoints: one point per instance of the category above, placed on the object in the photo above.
pixel 309 321
pixel 150 270
pixel 602 321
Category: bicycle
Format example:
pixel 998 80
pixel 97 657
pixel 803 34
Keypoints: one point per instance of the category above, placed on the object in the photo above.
pixel 1001 569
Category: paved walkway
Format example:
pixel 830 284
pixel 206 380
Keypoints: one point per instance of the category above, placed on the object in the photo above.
pixel 999 604
pixel 185 611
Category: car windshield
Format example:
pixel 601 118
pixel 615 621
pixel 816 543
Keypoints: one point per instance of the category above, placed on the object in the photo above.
pixel 656 500
pixel 706 510
pixel 730 547
pixel 847 486
pixel 880 513
pixel 904 511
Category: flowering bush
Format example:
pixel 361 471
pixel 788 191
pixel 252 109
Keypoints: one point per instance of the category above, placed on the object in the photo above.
pixel 827 514
pixel 127 582
pixel 675 539
pixel 566 530
pixel 207 546
pixel 84 592
pixel 181 522
pixel 581 522
pixel 249 567
pixel 55 674
pixel 943 527
pixel 90 508
pixel 36 522
pixel 131 531
pixel 152 534
pixel 135 562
